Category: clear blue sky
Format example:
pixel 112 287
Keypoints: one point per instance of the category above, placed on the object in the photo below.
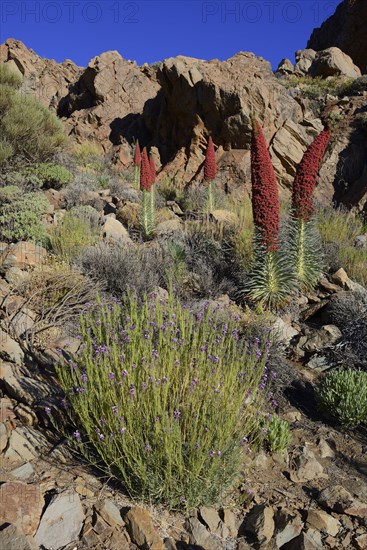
pixel 152 30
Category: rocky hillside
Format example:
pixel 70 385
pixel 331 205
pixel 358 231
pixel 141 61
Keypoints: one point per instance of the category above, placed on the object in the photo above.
pixel 172 107
pixel 346 29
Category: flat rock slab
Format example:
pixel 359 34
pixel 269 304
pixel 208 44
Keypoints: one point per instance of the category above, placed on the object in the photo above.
pixel 62 521
pixel 21 504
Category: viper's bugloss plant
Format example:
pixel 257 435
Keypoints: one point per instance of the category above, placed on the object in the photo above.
pixel 170 398
pixel 210 171
pixel 137 163
pixel 271 279
pixel 304 240
pixel 306 176
pixel 342 394
pixel 265 197
pixel 147 222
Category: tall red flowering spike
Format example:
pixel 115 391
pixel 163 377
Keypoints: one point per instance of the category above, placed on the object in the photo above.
pixel 145 175
pixel 306 176
pixel 152 170
pixel 210 164
pixel 265 198
pixel 137 155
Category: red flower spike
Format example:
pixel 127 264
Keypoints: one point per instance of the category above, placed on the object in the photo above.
pixel 210 164
pixel 145 176
pixel 152 170
pixel 306 176
pixel 137 155
pixel 265 198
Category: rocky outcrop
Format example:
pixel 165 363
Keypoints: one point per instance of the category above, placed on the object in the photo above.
pixel 174 107
pixel 48 80
pixel 217 98
pixel 347 30
pixel 329 62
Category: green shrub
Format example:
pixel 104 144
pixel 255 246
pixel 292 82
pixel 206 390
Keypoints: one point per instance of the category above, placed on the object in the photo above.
pixel 49 175
pixel 29 131
pixel 278 435
pixel 338 229
pixel 342 394
pixel 21 215
pixel 78 229
pixel 89 154
pixel 171 400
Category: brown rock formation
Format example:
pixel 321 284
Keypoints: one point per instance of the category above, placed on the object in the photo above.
pixel 346 29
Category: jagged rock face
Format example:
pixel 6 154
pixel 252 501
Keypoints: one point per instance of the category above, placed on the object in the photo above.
pixel 343 174
pixel 347 30
pixel 107 101
pixel 202 98
pixel 47 80
pixel 173 107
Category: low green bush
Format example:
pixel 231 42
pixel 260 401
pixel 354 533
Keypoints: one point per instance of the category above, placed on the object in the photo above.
pixel 78 229
pixel 29 131
pixel 21 215
pixel 50 175
pixel 278 435
pixel 338 229
pixel 342 394
pixel 170 399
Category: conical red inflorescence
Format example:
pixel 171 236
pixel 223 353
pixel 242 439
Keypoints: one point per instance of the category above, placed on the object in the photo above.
pixel 210 164
pixel 152 170
pixel 137 155
pixel 306 176
pixel 145 175
pixel 265 198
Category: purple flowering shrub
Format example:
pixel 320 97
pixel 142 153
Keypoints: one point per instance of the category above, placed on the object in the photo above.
pixel 171 399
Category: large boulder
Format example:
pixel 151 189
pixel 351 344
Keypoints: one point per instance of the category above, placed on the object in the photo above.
pixel 333 62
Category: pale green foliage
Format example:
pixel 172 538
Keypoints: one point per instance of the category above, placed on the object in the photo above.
pixel 21 215
pixel 338 229
pixel 278 435
pixel 79 228
pixel 342 394
pixel 29 131
pixel 272 278
pixel 49 175
pixel 89 155
pixel 147 216
pixel 304 245
pixel 186 392
pixel 40 175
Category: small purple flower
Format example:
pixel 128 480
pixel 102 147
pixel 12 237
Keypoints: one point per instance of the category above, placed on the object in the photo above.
pixel 80 390
pixel 176 415
pixel 155 354
pixel 76 434
pixel 211 454
pixel 273 374
pixel 101 436
pixel 258 353
pixel 102 421
pixel 84 377
pixel 111 375
pixel 143 386
pixel 264 431
pixel 122 429
pixel 219 453
pixel 115 409
pixel 132 389
pixel 164 380
pixel 124 373
pixel 48 410
pixel 146 335
pixel 148 448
